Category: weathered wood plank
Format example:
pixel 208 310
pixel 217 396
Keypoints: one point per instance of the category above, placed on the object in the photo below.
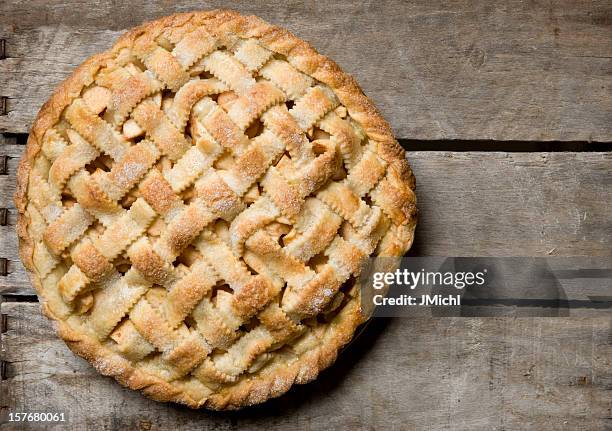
pixel 460 374
pixel 472 204
pixel 16 281
pixel 8 181
pixel 437 70
pixel 513 204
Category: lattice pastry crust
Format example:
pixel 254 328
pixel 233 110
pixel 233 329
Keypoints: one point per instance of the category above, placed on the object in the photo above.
pixel 196 203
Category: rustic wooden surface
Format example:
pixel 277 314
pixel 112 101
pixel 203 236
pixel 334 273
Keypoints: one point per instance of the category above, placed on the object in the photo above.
pixel 532 71
pixel 516 70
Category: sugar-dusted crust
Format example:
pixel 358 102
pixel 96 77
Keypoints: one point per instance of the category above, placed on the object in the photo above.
pixel 277 378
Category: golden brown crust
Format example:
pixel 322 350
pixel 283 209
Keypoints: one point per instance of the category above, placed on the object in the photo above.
pixel 277 378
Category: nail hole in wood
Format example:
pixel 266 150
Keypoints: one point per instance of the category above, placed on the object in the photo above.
pixel 3 266
pixel 3 216
pixel 3 165
pixel 2 49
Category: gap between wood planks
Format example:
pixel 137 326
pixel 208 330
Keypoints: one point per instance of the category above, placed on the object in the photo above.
pixel 504 146
pixel 9 297
pixel 462 145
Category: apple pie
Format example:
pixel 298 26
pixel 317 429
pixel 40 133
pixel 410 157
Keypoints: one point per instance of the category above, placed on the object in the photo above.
pixel 196 203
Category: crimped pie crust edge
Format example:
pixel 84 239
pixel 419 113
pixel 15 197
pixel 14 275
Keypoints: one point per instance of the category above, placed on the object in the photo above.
pixel 279 378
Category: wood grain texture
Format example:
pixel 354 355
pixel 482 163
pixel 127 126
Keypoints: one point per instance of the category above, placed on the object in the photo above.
pixel 537 70
pixel 445 373
pixel 17 280
pixel 470 204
